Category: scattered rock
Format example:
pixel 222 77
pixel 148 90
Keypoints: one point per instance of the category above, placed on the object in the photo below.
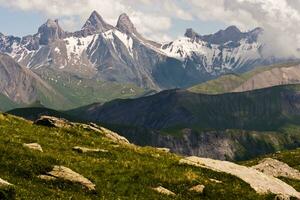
pixel 216 181
pixel 276 168
pixel 197 188
pixel 53 122
pixel 47 178
pixel 69 175
pixel 167 150
pixel 88 150
pixel 260 182
pixel 4 183
pixel 163 190
pixel 34 146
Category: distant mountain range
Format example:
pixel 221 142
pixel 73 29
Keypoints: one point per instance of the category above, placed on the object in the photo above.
pixel 102 62
pixel 121 54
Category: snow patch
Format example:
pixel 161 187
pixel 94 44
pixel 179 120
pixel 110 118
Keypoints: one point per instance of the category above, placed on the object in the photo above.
pixel 76 46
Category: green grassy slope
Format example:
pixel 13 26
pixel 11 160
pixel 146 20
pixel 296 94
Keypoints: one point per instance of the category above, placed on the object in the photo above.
pixel 229 82
pixel 124 172
pixel 80 92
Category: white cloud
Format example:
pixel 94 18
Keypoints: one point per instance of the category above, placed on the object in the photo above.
pixel 279 18
pixel 151 20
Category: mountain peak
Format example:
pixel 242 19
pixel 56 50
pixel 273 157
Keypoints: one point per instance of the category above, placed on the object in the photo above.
pixel 96 24
pixel 125 24
pixel 50 31
pixel 232 29
pixel 190 33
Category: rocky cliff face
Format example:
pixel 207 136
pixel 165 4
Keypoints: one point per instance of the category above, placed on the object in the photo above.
pixel 20 84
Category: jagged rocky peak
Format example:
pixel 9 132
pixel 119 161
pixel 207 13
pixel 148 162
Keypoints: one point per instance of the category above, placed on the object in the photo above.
pixel 232 30
pixel 96 24
pixel 50 31
pixel 125 25
pixel 190 33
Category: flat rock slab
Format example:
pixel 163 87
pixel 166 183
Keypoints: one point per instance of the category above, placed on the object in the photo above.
pixel 88 150
pixel 163 190
pixel 260 182
pixel 33 146
pixel 69 175
pixel 4 183
pixel 276 168
pixel 197 189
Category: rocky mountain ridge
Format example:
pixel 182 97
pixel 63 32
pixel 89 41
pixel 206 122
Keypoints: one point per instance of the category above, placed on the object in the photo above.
pixel 121 54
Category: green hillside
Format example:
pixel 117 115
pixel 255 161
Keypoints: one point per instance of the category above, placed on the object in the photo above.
pixel 229 82
pixel 123 172
pixel 80 91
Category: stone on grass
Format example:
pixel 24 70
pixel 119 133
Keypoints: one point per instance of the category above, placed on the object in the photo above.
pixel 4 183
pixel 33 146
pixel 197 189
pixel 276 168
pixel 215 180
pixel 88 150
pixel 167 150
pixel 260 182
pixel 69 175
pixel 53 122
pixel 163 190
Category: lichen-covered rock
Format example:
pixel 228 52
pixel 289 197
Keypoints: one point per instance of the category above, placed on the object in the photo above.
pixel 88 150
pixel 69 175
pixel 33 146
pixel 163 190
pixel 197 188
pixel 260 182
pixel 276 168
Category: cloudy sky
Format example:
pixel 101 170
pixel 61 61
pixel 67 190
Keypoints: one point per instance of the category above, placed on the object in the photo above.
pixel 161 19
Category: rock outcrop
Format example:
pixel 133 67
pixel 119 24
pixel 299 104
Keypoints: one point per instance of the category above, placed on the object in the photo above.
pixel 276 168
pixel 109 134
pixel 260 182
pixel 34 146
pixel 65 173
pixel 163 190
pixel 53 122
pixel 62 123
